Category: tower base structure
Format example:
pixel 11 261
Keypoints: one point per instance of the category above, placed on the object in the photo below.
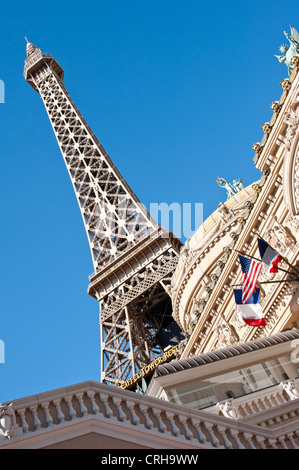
pixel 135 305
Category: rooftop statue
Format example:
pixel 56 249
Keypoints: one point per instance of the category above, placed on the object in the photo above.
pixel 232 189
pixel 289 51
pixel 141 389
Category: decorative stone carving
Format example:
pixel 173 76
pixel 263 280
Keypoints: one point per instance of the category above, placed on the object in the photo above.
pixel 291 118
pixel 228 409
pixel 294 222
pixel 209 288
pixel 237 321
pixel 295 60
pixel 234 235
pixel 220 263
pixel 280 239
pixel 206 280
pixel 257 148
pixel 168 290
pixel 7 420
pixel 266 276
pixel 241 220
pixel 257 187
pixel 185 255
pixel 267 128
pixel 226 335
pixel 286 84
pixel 276 107
pixel 199 305
pixel 214 277
pixel 291 389
pixel 226 214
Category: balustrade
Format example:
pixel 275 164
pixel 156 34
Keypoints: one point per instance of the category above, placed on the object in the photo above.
pixel 197 429
pixel 260 402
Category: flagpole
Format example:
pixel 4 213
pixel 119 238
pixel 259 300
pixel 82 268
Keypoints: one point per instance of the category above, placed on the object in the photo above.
pixel 285 260
pixel 268 282
pixel 248 256
pixel 252 257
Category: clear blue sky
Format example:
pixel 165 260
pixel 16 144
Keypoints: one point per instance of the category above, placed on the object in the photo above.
pixel 176 91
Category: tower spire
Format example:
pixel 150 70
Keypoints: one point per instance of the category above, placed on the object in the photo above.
pixel 30 48
pixel 133 257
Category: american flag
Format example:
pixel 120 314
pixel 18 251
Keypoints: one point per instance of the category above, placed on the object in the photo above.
pixel 251 270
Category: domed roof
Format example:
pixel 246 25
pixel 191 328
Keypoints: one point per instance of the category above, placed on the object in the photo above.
pixel 205 230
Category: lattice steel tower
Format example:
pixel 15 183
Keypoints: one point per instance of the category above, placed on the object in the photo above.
pixel 133 257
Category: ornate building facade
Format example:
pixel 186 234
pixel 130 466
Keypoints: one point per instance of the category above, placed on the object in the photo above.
pixel 202 291
pixel 227 384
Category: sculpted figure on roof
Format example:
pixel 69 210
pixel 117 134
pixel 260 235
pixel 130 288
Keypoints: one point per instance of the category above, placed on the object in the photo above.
pixel 231 188
pixel 289 51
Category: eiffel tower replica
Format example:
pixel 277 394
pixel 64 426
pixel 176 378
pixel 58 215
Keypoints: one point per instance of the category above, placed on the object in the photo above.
pixel 133 257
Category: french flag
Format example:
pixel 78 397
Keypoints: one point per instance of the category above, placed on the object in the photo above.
pixel 270 258
pixel 251 312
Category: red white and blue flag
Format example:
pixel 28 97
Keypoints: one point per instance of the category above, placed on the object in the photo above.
pixel 270 258
pixel 251 312
pixel 251 270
